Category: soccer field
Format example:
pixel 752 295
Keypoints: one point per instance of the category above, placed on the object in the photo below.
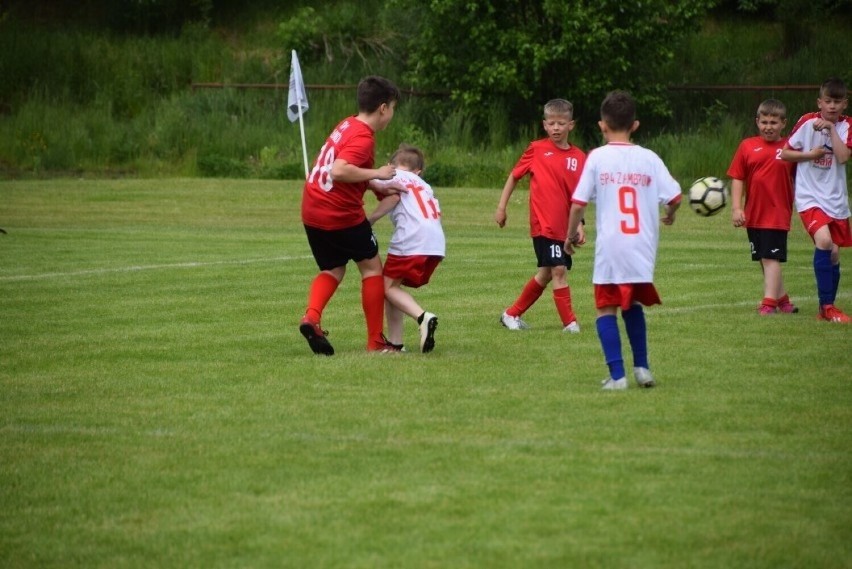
pixel 159 408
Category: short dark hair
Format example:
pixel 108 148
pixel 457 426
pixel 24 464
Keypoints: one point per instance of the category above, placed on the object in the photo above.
pixel 409 156
pixel 833 87
pixel 772 108
pixel 373 91
pixel 618 110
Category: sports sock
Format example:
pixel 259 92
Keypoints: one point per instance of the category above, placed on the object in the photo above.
pixel 531 292
pixel 607 327
pixel 637 334
pixel 784 300
pixel 322 289
pixel 373 303
pixel 835 270
pixel 562 299
pixel 770 302
pixel 824 276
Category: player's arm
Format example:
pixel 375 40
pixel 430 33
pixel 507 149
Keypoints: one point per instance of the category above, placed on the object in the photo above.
pixel 387 187
pixel 838 146
pixel 793 155
pixel 737 213
pixel 508 188
pixel 670 209
pixel 575 218
pixel 384 207
pixel 343 171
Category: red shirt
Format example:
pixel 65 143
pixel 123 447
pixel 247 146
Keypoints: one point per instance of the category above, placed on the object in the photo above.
pixel 327 203
pixel 768 183
pixel 554 173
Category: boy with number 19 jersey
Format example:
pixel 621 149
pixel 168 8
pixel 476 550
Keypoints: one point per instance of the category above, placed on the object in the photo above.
pixel 554 166
pixel 628 183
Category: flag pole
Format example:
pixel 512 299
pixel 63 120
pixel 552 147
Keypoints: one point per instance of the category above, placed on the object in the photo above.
pixel 297 102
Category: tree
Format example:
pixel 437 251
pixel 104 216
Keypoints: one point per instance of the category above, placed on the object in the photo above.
pixel 517 54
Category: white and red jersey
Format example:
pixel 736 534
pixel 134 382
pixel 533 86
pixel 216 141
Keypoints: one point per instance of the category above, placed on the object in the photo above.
pixel 554 173
pixel 416 218
pixel 821 183
pixel 327 203
pixel 768 181
pixel 628 183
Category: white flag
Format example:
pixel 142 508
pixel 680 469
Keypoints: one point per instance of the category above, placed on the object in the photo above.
pixel 297 99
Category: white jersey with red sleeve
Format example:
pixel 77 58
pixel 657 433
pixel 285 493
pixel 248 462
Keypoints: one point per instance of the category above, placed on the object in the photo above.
pixel 821 183
pixel 628 183
pixel 416 218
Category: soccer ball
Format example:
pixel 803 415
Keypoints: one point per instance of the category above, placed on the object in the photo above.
pixel 708 196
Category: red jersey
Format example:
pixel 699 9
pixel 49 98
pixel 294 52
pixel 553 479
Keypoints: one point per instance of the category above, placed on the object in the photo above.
pixel 329 204
pixel 554 173
pixel 768 183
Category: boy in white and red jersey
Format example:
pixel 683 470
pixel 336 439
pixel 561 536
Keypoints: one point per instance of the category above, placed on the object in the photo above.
pixel 628 183
pixel 554 166
pixel 821 143
pixel 416 247
pixel 759 175
pixel 334 219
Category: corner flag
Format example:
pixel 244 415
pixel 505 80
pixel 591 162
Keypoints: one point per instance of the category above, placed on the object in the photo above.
pixel 297 99
pixel 297 102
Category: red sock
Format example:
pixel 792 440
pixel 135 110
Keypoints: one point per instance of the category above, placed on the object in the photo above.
pixel 322 289
pixel 373 302
pixel 532 291
pixel 784 300
pixel 770 302
pixel 562 298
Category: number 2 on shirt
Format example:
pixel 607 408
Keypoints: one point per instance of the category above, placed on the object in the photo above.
pixel 627 205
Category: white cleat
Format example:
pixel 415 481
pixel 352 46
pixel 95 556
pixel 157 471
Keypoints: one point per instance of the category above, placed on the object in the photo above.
pixel 513 322
pixel 610 384
pixel 643 377
pixel 427 332
pixel 572 328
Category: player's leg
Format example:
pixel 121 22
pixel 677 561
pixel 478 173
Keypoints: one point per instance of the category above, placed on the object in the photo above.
pixel 771 286
pixel 562 298
pixel 533 289
pixel 395 319
pixel 610 339
pixel 637 335
pixel 332 265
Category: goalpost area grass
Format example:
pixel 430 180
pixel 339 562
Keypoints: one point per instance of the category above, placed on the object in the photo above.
pixel 159 408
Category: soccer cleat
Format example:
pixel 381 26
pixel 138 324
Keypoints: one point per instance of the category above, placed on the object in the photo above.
pixel 573 328
pixel 831 313
pixel 610 384
pixel 643 377
pixel 427 332
pixel 765 310
pixel 385 347
pixel 513 322
pixel 788 308
pixel 316 337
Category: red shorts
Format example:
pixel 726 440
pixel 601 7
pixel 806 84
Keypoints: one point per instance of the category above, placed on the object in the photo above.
pixel 815 218
pixel 624 295
pixel 414 270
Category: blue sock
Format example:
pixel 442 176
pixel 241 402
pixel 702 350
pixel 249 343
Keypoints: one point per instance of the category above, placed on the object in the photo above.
pixel 836 280
pixel 824 276
pixel 611 343
pixel 634 323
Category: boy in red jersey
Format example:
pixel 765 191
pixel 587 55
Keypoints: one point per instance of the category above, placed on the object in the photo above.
pixel 554 166
pixel 821 143
pixel 629 183
pixel 759 175
pixel 334 219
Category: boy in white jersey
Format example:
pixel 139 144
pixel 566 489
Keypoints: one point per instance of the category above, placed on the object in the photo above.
pixel 821 144
pixel 416 247
pixel 628 184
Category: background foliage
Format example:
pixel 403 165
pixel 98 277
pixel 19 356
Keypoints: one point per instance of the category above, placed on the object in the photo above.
pixel 103 88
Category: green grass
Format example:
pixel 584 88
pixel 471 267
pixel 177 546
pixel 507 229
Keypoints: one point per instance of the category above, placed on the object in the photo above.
pixel 160 409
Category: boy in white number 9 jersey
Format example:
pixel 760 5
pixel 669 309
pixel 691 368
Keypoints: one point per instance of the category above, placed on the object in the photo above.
pixel 629 183
pixel 416 247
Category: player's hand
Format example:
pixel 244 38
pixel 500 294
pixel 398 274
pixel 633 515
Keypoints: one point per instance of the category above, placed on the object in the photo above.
pixel 668 218
pixel 581 235
pixel 500 217
pixel 738 217
pixel 386 172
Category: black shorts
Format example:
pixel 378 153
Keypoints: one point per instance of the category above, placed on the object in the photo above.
pixel 549 253
pixel 767 244
pixel 334 248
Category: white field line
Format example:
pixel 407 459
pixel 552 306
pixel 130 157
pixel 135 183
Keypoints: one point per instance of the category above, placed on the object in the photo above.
pixel 188 265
